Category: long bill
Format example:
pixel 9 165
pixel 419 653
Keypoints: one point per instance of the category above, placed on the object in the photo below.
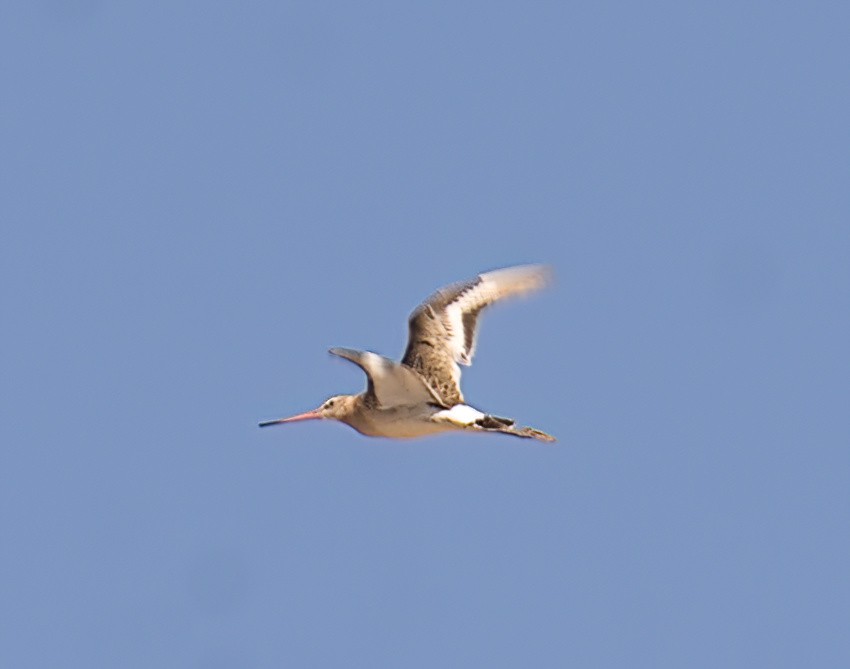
pixel 310 415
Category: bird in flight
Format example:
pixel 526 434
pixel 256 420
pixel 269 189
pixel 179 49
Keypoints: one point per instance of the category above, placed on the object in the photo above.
pixel 421 395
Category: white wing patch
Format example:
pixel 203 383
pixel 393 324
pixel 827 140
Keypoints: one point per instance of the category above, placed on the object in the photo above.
pixel 490 287
pixel 442 330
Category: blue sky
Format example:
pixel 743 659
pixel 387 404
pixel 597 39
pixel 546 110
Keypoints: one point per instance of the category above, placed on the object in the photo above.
pixel 198 199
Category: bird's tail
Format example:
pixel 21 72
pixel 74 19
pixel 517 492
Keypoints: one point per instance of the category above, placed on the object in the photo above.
pixel 507 426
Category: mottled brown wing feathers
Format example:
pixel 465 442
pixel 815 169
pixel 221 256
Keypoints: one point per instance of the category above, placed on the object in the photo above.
pixel 443 329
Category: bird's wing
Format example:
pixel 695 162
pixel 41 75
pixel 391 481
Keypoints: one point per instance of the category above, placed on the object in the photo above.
pixel 443 328
pixel 389 383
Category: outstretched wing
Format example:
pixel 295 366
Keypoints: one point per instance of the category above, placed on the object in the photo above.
pixel 389 383
pixel 443 328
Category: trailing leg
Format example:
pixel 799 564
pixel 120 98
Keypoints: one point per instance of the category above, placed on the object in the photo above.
pixel 507 426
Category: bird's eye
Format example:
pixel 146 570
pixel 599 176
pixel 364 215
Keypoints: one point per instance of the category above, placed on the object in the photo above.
pixel 329 404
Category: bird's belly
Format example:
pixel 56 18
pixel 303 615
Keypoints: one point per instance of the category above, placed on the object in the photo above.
pixel 400 427
pixel 412 422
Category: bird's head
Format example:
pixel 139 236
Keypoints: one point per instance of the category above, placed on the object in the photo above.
pixel 337 407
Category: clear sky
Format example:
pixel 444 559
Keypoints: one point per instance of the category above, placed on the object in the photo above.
pixel 198 199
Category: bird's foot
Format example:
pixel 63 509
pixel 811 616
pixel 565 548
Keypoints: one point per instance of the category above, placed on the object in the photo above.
pixel 507 426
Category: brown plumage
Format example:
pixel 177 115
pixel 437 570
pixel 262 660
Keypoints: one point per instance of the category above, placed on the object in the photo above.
pixel 443 329
pixel 422 395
